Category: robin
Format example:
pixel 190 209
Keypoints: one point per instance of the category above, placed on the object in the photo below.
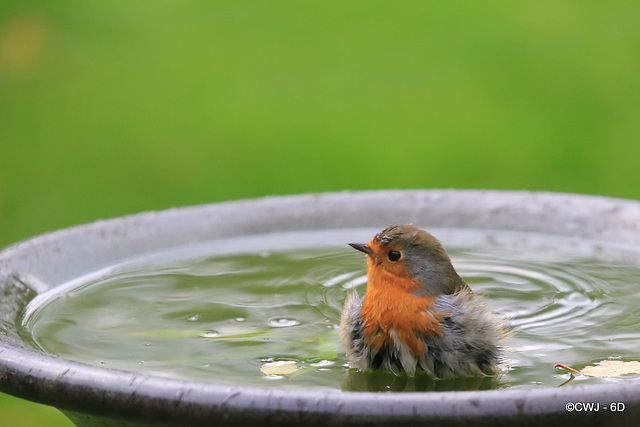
pixel 418 313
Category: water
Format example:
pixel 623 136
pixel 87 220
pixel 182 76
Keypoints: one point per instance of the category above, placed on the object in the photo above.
pixel 220 317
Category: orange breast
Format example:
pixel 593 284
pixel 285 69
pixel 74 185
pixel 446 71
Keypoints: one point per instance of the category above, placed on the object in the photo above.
pixel 388 305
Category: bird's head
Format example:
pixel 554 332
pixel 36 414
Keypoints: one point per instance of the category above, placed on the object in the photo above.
pixel 412 259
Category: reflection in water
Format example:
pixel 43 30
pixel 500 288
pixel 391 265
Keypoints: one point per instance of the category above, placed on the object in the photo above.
pixel 354 380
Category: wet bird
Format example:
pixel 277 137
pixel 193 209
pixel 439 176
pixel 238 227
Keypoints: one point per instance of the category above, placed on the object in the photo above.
pixel 418 313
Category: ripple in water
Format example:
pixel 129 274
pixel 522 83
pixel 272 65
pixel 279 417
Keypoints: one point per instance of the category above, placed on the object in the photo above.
pixel 221 318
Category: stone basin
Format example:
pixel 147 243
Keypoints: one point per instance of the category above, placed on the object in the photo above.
pixel 92 395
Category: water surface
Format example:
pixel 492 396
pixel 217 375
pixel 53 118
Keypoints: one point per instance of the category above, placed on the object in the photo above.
pixel 219 317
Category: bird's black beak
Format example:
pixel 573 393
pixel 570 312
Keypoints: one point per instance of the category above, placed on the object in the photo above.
pixel 362 247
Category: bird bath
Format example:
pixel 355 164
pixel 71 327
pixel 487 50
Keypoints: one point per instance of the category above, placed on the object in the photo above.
pixel 559 267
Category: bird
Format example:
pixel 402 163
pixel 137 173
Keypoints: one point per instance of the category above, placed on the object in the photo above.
pixel 418 313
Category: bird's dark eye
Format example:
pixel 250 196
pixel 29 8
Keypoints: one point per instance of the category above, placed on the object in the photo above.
pixel 394 256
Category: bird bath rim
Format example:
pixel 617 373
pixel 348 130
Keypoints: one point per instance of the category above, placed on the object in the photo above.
pixel 51 259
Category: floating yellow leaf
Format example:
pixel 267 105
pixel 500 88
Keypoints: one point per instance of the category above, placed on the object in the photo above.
pixel 283 367
pixel 606 368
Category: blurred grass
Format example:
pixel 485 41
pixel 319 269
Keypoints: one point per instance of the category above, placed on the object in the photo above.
pixel 110 108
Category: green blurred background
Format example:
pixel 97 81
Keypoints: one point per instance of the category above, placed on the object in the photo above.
pixel 115 107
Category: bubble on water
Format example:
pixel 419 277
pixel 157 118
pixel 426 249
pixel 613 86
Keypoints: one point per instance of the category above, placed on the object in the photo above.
pixel 323 363
pixel 240 319
pixel 194 318
pixel 575 299
pixel 273 377
pixel 210 334
pixel 282 322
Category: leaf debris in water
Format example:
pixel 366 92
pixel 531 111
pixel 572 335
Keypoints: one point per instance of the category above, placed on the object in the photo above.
pixel 282 367
pixel 606 368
